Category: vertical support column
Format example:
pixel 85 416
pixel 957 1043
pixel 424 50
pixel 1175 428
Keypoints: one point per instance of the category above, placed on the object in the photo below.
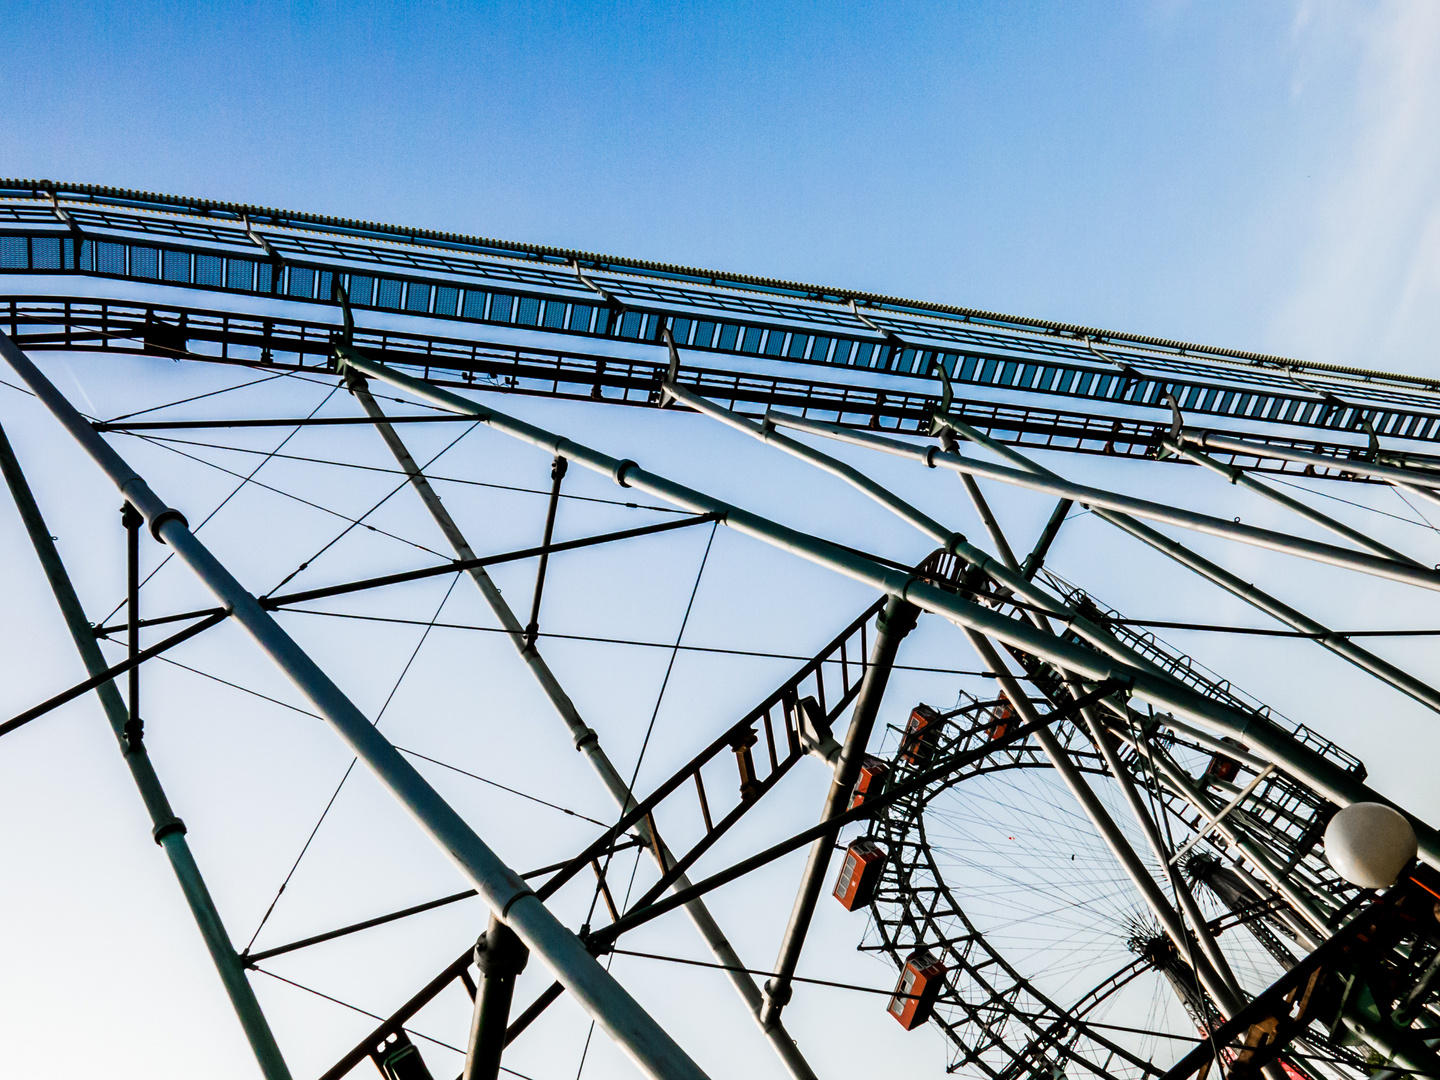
pixel 500 956
pixel 131 519
pixel 168 830
pixel 557 474
pixel 897 620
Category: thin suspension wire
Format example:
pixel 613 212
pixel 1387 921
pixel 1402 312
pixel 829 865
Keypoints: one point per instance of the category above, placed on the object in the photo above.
pixel 674 652
pixel 1351 502
pixel 391 494
pixel 639 760
pixel 374 1016
pixel 238 488
pixel 400 472
pixel 1415 509
pixel 196 397
pixel 351 767
pixel 353 522
pixel 629 641
pixel 402 749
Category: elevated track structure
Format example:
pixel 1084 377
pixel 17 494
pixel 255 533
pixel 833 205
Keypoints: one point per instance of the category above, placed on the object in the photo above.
pixel 1193 813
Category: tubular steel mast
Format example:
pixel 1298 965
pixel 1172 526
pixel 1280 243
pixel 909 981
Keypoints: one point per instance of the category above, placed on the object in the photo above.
pixel 1191 794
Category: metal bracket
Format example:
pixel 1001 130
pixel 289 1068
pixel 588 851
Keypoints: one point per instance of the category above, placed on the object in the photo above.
pixel 672 372
pixel 259 240
pixel 1177 428
pixel 947 395
pixel 575 263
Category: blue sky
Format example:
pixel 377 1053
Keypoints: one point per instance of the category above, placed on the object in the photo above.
pixel 1264 176
pixel 1196 170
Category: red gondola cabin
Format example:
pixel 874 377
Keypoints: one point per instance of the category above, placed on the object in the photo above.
pixel 1223 767
pixel 859 874
pixel 870 782
pixel 916 992
pixel 1000 717
pixel 920 735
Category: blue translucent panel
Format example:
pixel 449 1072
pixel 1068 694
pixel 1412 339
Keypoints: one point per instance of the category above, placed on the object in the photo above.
pixel 555 314
pixel 822 346
pixel 388 292
pixel 580 317
pixel 301 282
pixel 680 330
pixel 728 333
pixel 863 351
pixel 324 287
pixel 843 348
pixel 1047 378
pixel 87 255
pixel 751 343
pixel 603 318
pixel 109 258
pixel 775 343
pixel 704 335
pixel 45 252
pixel 69 253
pixel 209 270
pixel 264 276
pixel 239 274
pixel 500 306
pixel 1067 378
pixel 798 344
pixel 14 253
pixel 527 312
pixel 446 297
pixel 144 262
pixel 361 290
pixel 175 265
pixel 475 303
pixel 417 297
pixel 882 360
pixel 630 324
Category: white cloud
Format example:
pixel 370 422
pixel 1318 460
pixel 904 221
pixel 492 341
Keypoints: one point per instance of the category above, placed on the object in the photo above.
pixel 1367 291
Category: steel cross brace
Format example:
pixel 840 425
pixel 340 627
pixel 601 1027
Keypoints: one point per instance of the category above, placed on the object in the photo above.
pixel 652 1049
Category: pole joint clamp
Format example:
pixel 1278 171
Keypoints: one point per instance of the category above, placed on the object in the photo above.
pixel 168 828
pixel 168 514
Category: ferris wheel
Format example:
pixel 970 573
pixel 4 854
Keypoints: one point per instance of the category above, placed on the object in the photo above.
pixel 1081 852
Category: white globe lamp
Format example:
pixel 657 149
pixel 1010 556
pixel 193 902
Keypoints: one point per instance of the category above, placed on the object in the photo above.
pixel 1368 844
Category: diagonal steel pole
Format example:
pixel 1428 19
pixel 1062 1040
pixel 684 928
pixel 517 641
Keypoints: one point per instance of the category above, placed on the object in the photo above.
pixel 1231 583
pixel 1268 739
pixel 167 828
pixel 1098 498
pixel 1005 571
pixel 1185 447
pixel 586 741
pixel 652 1049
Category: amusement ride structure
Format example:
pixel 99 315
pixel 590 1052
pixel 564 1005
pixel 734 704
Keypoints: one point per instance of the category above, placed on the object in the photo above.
pixel 1208 808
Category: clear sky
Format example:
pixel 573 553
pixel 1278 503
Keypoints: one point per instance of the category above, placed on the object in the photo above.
pixel 1263 176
